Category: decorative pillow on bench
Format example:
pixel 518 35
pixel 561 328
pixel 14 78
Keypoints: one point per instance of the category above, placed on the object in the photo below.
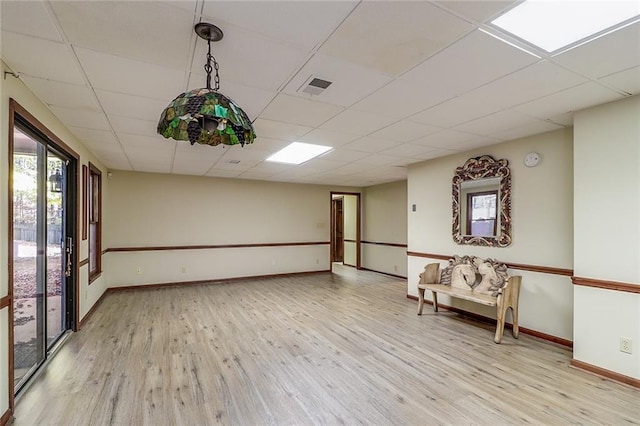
pixel 483 276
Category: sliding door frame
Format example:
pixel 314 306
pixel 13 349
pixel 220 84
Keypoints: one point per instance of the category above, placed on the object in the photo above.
pixel 16 110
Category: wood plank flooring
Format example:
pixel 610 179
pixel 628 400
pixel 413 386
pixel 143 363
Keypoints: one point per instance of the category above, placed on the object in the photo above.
pixel 341 348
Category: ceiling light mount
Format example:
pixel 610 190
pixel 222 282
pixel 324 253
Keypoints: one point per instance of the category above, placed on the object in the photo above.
pixel 205 115
pixel 208 31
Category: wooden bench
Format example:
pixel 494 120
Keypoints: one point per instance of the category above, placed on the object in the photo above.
pixel 506 297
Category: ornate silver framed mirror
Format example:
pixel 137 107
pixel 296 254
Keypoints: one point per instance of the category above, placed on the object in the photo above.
pixel 482 202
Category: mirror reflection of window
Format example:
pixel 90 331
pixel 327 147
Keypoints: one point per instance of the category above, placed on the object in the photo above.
pixel 482 214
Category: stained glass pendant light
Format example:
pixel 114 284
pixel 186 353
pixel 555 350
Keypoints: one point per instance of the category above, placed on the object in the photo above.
pixel 205 115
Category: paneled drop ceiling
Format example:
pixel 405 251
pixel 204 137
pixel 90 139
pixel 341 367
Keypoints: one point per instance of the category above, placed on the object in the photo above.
pixel 411 80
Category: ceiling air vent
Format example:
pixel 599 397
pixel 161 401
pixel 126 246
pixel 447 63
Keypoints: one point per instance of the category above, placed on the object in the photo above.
pixel 314 86
pixel 233 161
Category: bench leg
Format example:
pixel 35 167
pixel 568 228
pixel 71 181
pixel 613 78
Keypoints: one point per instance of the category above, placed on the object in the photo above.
pixel 501 312
pixel 420 300
pixel 435 301
pixel 516 329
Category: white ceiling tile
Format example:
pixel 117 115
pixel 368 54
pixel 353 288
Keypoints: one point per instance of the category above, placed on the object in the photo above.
pixel 302 23
pixel 81 118
pixel 135 126
pixel 252 174
pixel 415 30
pixel 193 169
pixel 270 168
pixel 615 52
pixel 399 99
pixel 117 74
pixel 278 130
pixel 405 131
pixel 248 154
pixel 351 168
pixel 437 152
pixel 324 164
pixel 28 17
pixel 221 173
pixel 562 119
pixel 250 99
pixel 250 59
pixel 97 136
pixel 194 159
pixel 139 156
pixel 467 64
pixel 627 80
pixel 369 144
pixel 345 155
pixel 528 129
pixel 497 122
pixel 131 106
pixel 444 139
pixel 477 10
pixel 26 55
pixel 197 153
pixel 104 151
pixel 62 94
pixel 268 144
pixel 294 110
pixel 350 82
pixel 477 142
pixel 328 137
pixel 160 34
pixel 156 144
pixel 409 150
pixel 357 122
pixel 381 160
pixel 186 5
pixel 454 111
pixel 114 161
pixel 570 100
pixel 538 80
pixel 151 167
pixel 229 165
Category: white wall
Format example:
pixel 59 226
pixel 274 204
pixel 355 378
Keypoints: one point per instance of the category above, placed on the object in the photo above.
pixel 155 210
pixel 384 211
pixel 11 87
pixel 607 233
pixel 350 229
pixel 542 216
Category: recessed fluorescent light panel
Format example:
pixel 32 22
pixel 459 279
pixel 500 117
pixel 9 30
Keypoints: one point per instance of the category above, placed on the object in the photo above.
pixel 298 153
pixel 552 25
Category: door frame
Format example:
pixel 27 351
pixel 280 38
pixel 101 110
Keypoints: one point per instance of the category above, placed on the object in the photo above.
pixel 335 218
pixel 358 227
pixel 16 110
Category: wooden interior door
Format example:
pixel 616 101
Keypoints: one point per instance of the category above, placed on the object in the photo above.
pixel 337 249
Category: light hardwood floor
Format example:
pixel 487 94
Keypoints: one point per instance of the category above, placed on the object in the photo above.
pixel 342 348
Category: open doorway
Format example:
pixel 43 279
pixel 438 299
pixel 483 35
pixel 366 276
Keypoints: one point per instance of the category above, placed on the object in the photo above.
pixel 345 228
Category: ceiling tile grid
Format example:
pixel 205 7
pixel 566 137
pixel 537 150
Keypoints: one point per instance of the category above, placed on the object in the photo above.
pixel 411 81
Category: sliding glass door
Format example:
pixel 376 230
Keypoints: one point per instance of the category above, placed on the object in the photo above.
pixel 42 283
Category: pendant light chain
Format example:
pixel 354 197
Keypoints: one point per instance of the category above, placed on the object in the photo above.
pixel 208 69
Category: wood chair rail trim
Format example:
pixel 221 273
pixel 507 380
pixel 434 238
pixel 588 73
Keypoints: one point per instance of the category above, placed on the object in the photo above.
pixel 380 243
pixel 5 301
pixel 510 265
pixel 6 417
pixel 215 246
pixel 607 285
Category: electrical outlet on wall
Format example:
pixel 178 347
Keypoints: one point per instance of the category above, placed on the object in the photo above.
pixel 625 345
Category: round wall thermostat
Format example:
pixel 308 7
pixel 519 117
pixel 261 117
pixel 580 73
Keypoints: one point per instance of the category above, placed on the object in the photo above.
pixel 531 159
